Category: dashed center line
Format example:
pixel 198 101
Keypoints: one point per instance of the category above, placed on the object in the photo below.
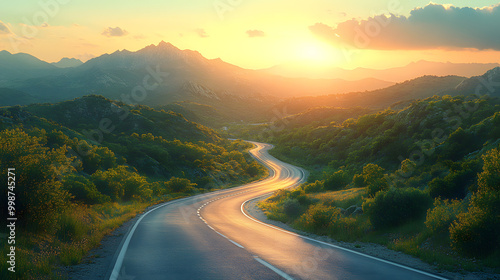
pixel 209 226
pixel 256 258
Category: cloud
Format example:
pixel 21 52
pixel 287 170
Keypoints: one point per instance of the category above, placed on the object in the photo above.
pixel 255 33
pixel 114 32
pixel 430 27
pixel 201 32
pixel 4 28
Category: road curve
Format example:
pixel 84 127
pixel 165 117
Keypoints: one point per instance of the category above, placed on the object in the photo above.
pixel 210 236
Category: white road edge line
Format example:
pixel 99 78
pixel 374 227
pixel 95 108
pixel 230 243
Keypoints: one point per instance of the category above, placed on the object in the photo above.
pixel 338 247
pixel 119 260
pixel 271 267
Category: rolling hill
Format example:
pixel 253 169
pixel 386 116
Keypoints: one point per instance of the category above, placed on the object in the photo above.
pixel 401 93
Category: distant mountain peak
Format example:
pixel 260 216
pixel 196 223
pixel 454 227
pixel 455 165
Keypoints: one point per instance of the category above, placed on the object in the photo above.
pixel 66 62
pixel 164 44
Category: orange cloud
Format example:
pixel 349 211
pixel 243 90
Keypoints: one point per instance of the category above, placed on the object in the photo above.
pixel 114 32
pixel 433 26
pixel 255 33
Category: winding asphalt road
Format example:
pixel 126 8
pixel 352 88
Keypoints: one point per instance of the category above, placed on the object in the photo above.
pixel 210 236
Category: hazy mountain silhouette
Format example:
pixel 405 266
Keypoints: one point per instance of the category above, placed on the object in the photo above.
pixel 66 62
pixel 396 74
pixel 184 75
pixel 163 74
pixel 22 66
pixel 488 83
pixel 402 93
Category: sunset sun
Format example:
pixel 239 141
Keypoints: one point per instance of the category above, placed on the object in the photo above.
pixel 313 52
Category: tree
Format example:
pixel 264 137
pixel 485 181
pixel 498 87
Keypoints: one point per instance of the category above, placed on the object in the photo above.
pixel 121 184
pixel 40 197
pixel 477 231
pixel 83 190
pixel 336 181
pixel 374 179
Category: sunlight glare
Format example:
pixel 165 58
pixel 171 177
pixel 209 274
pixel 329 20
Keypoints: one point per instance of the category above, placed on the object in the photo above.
pixel 314 52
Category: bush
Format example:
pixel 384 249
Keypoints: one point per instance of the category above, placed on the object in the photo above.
pixel 319 217
pixel 121 184
pixel 358 180
pixel 336 181
pixel 292 207
pixel 40 197
pixel 315 187
pixel 278 195
pixel 443 214
pixel 396 206
pixel 179 185
pixel 254 169
pixel 477 232
pixel 374 180
pixel 453 186
pixel 82 189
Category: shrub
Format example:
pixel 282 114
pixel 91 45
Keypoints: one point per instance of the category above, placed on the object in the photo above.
pixel 254 169
pixel 278 195
pixel 358 180
pixel 373 176
pixel 40 197
pixel 396 206
pixel 336 181
pixel 179 185
pixel 453 186
pixel 443 214
pixel 82 189
pixel 477 232
pixel 292 207
pixel 315 187
pixel 121 184
pixel 318 217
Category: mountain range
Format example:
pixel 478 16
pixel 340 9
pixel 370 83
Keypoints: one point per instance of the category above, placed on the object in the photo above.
pixel 190 75
pixel 401 94
pixel 183 75
pixel 184 80
pixel 396 74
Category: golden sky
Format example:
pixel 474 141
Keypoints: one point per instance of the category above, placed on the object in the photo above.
pixel 259 34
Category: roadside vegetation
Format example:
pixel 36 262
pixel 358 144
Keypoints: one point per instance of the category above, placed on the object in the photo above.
pixel 74 185
pixel 424 180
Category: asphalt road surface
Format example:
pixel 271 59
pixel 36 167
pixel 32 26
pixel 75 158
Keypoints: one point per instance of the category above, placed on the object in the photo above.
pixel 210 236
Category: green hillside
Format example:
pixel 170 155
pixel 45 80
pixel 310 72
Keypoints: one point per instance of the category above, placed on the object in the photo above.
pixel 85 166
pixel 424 179
pixel 405 92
